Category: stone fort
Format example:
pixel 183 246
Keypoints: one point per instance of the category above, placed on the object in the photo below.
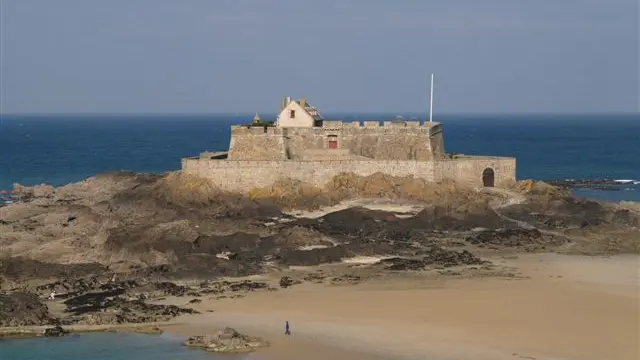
pixel 302 145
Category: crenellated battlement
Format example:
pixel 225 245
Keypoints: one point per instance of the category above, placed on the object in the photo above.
pixel 338 125
pixel 255 130
pixel 388 140
pixel 377 124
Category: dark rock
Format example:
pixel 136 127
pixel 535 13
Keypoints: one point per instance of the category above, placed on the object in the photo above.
pixel 219 287
pixel 315 277
pixel 114 306
pixel 435 255
pixel 65 288
pixel 234 243
pixel 594 184
pixel 23 309
pixel 570 212
pixel 285 282
pixel 246 285
pixel 397 264
pixel 448 218
pixel 206 265
pixel 347 279
pixel 55 331
pixel 353 221
pixel 447 258
pixel 169 288
pixel 529 239
pixel 174 237
pixel 313 257
pixel 20 269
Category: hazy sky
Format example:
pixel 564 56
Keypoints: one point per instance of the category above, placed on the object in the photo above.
pixel 201 56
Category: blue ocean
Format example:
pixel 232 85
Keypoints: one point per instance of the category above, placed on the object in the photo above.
pixel 62 149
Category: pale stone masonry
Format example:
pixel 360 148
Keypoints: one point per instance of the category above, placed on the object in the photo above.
pixel 314 151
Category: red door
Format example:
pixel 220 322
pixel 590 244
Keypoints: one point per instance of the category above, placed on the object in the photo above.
pixel 333 141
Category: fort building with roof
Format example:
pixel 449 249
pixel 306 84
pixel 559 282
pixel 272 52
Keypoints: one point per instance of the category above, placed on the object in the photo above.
pixel 301 144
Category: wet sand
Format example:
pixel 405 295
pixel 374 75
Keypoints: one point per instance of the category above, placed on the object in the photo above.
pixel 560 307
pixel 567 307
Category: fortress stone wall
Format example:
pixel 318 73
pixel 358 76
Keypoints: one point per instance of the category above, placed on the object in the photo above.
pixel 243 175
pixel 259 156
pixel 389 141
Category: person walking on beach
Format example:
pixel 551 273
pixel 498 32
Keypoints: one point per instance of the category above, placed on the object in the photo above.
pixel 287 331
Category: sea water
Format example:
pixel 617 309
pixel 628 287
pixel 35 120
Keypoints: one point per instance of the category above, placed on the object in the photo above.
pixel 107 346
pixel 62 149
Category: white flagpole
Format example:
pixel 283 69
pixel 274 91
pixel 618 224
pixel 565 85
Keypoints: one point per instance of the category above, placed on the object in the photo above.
pixel 431 101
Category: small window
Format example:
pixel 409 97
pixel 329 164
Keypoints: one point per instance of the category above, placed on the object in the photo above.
pixel 292 114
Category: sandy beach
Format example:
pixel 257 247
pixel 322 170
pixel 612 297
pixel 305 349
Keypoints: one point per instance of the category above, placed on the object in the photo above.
pixel 560 307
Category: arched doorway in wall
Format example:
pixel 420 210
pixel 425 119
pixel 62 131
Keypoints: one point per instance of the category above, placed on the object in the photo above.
pixel 488 178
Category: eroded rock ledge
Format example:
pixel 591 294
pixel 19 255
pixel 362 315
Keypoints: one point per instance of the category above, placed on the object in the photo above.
pixel 113 246
pixel 227 340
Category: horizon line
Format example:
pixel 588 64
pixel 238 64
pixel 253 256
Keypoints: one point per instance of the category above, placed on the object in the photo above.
pixel 343 113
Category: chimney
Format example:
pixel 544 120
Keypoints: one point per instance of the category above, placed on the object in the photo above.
pixel 303 102
pixel 283 103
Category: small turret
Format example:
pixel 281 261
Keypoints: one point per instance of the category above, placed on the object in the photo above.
pixel 256 119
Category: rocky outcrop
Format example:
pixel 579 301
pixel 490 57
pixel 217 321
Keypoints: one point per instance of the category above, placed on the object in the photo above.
pixel 121 303
pixel 169 227
pixel 436 256
pixel 24 193
pixel 457 217
pixel 313 256
pixel 594 184
pixel 112 312
pixel 21 268
pixel 23 309
pixel 99 300
pixel 566 212
pixel 55 331
pixel 111 244
pixel 286 282
pixel 526 239
pixel 403 264
pixel 447 258
pixel 226 341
